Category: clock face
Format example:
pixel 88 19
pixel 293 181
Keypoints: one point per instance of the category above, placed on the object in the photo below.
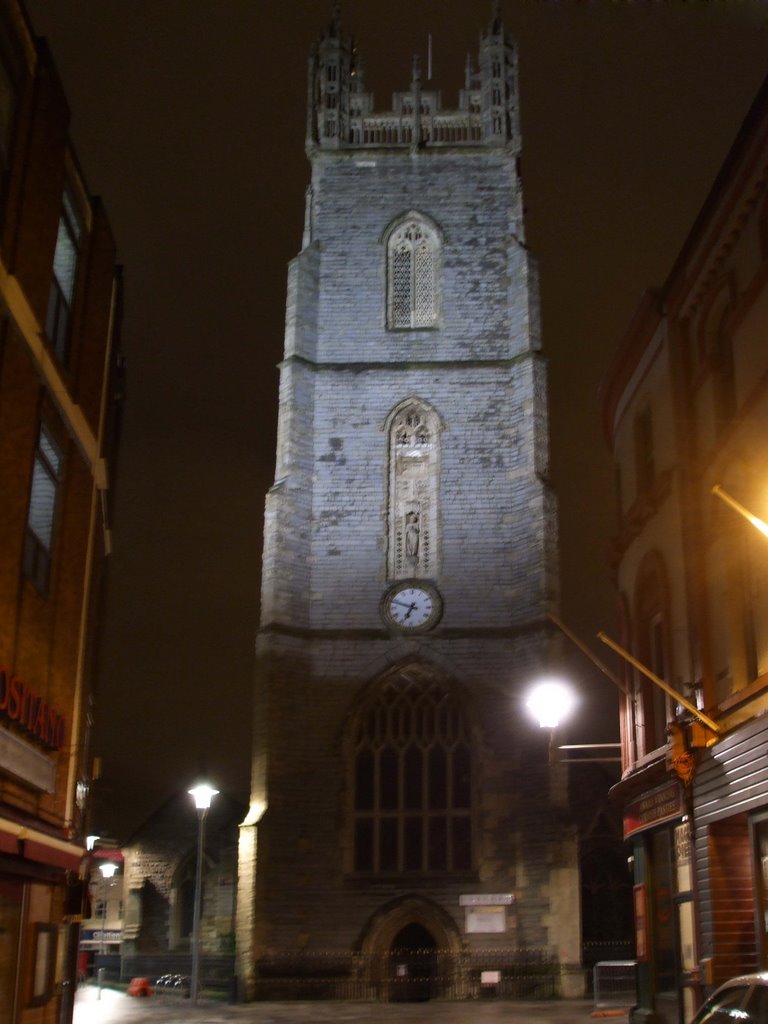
pixel 412 606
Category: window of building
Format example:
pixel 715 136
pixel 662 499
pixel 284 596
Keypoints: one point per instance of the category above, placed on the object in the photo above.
pixel 717 349
pixel 412 793
pixel 412 275
pixel 724 376
pixel 65 260
pixel 43 501
pixel 184 904
pixel 9 74
pixel 653 708
pixel 645 467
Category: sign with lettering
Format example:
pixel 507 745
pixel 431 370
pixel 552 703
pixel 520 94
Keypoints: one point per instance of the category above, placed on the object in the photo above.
pixel 493 899
pixel 30 712
pixel 662 804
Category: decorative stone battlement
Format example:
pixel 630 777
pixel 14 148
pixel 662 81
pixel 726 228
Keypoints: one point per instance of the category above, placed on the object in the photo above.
pixel 342 115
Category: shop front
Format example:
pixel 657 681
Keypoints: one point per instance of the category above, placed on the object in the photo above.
pixel 657 825
pixel 40 900
pixel 41 862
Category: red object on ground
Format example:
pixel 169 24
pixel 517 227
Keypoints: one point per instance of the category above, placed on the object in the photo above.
pixel 139 987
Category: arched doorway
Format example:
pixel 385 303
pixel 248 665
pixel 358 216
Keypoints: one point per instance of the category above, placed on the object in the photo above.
pixel 413 975
pixel 411 950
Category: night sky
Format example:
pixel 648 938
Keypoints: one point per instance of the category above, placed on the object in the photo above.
pixel 188 120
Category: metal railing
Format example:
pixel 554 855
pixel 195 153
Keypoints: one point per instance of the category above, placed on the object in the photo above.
pixel 615 983
pixel 409 975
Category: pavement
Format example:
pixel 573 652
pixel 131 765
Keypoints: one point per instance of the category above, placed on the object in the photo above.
pixel 112 1007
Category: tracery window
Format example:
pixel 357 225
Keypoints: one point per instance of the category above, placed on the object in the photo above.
pixel 412 275
pixel 412 792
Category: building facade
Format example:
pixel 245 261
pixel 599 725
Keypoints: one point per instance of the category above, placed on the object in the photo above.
pixel 400 799
pixel 141 920
pixel 686 411
pixel 59 293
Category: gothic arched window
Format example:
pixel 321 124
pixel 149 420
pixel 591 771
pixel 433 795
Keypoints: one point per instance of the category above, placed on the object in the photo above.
pixel 412 274
pixel 184 894
pixel 412 792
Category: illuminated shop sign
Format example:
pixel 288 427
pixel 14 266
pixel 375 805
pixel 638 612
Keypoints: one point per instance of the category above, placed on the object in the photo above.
pixel 32 714
pixel 660 805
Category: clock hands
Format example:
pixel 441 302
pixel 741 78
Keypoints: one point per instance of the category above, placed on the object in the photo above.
pixel 410 606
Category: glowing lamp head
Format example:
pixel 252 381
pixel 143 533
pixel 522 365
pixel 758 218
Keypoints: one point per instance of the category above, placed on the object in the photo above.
pixel 202 795
pixel 108 869
pixel 550 702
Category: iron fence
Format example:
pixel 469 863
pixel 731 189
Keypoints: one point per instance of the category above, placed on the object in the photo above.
pixel 409 975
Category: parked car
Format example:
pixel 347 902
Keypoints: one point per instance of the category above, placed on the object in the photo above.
pixel 742 1000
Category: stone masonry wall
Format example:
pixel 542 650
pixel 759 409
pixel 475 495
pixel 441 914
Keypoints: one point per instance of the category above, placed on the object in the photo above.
pixel 324 642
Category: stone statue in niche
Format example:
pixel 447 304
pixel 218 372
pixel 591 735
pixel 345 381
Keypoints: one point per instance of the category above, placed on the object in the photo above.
pixel 412 535
pixel 413 495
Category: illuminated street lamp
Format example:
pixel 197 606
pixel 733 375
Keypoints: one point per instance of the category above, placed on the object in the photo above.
pixel 202 795
pixel 550 702
pixel 108 870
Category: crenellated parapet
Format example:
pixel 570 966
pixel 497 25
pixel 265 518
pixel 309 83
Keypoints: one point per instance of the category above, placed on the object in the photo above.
pixel 341 114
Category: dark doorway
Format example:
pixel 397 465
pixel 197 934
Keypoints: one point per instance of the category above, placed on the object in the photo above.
pixel 413 965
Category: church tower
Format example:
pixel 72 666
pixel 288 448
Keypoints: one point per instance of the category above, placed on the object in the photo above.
pixel 401 801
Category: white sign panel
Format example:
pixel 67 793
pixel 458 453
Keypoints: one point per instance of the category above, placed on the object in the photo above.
pixel 485 920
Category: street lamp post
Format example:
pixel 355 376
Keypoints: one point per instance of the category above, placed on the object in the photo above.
pixel 107 869
pixel 202 795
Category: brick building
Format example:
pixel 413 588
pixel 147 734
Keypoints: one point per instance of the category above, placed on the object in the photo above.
pixel 400 800
pixel 685 408
pixel 58 302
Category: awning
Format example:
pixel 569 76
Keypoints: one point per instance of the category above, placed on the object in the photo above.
pixel 38 846
pixel 59 855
